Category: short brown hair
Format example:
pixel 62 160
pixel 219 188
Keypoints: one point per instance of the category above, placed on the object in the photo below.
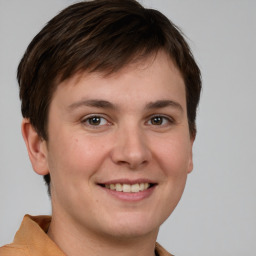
pixel 104 36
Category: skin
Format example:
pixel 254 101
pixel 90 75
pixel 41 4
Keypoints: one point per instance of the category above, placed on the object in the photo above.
pixel 126 142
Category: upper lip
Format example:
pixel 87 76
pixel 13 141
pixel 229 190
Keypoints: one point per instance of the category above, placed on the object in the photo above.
pixel 128 181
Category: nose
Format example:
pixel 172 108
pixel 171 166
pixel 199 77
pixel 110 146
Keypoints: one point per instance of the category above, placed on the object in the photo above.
pixel 131 149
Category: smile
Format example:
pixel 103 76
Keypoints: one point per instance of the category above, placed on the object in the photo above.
pixel 128 188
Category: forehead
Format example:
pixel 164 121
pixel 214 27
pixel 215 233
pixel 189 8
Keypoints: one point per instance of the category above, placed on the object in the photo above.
pixel 153 75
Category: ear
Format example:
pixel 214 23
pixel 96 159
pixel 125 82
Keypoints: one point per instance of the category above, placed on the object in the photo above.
pixel 36 147
pixel 190 162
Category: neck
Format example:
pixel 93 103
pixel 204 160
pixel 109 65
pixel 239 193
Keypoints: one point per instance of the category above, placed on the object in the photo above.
pixel 74 240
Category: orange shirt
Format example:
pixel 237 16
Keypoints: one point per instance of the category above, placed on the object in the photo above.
pixel 31 240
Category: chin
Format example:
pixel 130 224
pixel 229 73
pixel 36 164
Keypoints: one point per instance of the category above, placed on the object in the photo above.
pixel 131 233
pixel 128 227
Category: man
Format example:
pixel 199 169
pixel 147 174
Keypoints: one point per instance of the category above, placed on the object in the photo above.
pixel 109 92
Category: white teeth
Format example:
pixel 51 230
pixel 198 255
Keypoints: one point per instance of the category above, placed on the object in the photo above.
pixel 126 188
pixel 135 188
pixel 146 185
pixel 119 187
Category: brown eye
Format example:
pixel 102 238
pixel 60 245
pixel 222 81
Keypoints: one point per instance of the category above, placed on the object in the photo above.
pixel 157 120
pixel 95 121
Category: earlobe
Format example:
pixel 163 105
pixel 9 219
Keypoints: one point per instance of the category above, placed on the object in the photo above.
pixel 36 147
pixel 190 163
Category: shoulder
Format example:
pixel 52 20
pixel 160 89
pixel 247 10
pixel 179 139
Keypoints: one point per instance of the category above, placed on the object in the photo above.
pixel 13 250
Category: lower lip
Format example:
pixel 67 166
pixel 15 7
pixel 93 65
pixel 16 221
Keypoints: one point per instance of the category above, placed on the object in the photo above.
pixel 129 196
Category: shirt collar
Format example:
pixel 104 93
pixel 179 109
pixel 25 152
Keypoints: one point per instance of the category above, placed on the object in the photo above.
pixel 33 234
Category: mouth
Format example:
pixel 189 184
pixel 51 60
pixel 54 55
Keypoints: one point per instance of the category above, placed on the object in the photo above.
pixel 128 188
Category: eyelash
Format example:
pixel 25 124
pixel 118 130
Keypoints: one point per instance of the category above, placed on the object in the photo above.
pixel 86 121
pixel 168 120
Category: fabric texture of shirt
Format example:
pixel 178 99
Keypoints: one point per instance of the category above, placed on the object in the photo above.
pixel 31 240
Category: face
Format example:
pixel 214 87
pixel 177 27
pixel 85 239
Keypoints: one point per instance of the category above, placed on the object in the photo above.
pixel 119 148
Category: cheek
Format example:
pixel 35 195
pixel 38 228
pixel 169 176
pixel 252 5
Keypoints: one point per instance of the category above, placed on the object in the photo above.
pixel 76 156
pixel 72 163
pixel 174 155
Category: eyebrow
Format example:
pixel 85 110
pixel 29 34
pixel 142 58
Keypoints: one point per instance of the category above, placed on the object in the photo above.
pixel 163 104
pixel 108 105
pixel 92 103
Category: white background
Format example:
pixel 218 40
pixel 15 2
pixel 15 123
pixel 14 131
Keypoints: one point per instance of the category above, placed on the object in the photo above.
pixel 217 214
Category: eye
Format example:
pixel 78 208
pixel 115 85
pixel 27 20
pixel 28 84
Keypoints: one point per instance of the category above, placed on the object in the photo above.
pixel 159 120
pixel 95 121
